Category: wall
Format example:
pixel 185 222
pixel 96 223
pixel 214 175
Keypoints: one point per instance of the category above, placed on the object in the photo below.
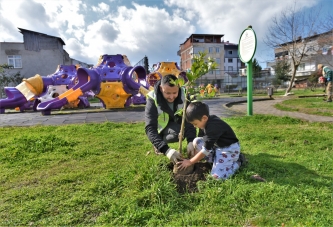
pixel 44 62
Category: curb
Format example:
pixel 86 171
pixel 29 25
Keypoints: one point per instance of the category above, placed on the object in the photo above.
pixel 98 110
pixel 242 101
pixel 309 96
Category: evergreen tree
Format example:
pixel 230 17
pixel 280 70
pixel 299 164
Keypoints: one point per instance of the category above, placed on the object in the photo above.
pixel 282 70
pixel 256 68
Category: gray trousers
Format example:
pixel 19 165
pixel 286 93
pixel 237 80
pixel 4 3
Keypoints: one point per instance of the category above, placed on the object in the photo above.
pixel 329 91
pixel 171 132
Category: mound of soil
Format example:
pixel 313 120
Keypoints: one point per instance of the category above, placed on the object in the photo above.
pixel 188 183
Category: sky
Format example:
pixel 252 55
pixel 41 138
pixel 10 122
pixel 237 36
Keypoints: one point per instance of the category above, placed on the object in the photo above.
pixel 138 28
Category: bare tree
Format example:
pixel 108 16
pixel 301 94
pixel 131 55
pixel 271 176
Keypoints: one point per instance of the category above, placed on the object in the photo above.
pixel 328 23
pixel 325 48
pixel 290 32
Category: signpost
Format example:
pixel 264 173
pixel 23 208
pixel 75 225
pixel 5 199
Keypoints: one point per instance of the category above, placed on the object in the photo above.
pixel 246 50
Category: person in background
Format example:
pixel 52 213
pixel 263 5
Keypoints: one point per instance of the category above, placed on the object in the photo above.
pixel 219 144
pixel 327 73
pixel 162 125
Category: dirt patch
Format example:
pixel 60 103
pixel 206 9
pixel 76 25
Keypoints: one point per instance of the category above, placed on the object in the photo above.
pixel 188 183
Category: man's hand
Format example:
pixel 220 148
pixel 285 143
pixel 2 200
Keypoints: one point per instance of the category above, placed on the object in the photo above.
pixel 190 150
pixel 184 164
pixel 173 155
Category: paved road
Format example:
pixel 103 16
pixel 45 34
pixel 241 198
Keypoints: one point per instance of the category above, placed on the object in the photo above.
pixel 222 107
pixel 97 114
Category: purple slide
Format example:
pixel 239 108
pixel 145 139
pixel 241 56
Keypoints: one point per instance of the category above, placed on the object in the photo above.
pixel 13 100
pixel 88 79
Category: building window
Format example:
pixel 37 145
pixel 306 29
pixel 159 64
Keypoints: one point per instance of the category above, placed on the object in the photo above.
pixel 217 72
pixel 229 51
pixel 211 72
pixel 301 67
pixel 230 68
pixel 310 48
pixel 218 61
pixel 217 49
pixel 15 61
pixel 229 60
pixel 325 50
pixel 210 49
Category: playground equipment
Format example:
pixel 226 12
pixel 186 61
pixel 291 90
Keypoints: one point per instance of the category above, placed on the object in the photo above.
pixel 162 69
pixel 116 84
pixel 37 89
pixel 208 91
pixel 64 78
pixel 113 82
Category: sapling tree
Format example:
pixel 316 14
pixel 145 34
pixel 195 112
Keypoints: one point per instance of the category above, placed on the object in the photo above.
pixel 200 66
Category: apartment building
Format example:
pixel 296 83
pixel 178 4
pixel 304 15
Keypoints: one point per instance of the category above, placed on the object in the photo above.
pixel 38 54
pixel 213 45
pixel 224 53
pixel 316 49
pixel 232 63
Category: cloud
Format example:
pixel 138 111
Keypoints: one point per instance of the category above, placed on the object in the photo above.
pixel 156 30
pixel 66 17
pixel 34 13
pixel 101 8
pixel 135 32
pixel 232 17
pixel 8 30
pixel 149 30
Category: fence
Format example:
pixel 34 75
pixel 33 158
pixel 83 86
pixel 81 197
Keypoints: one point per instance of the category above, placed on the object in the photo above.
pixel 233 81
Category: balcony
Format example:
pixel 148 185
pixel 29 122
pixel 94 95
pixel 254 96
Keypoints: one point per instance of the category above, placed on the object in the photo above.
pixel 304 73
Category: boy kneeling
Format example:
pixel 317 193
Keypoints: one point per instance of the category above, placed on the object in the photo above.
pixel 219 144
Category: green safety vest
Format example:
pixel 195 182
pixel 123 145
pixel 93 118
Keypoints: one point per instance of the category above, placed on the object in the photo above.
pixel 327 73
pixel 163 118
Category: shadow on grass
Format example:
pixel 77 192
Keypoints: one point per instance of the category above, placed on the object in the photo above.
pixel 273 169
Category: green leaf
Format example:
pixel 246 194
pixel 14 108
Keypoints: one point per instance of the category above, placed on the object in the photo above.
pixel 174 82
pixel 179 112
pixel 181 81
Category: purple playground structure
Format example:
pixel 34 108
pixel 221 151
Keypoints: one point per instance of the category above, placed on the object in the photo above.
pixel 37 89
pixel 116 84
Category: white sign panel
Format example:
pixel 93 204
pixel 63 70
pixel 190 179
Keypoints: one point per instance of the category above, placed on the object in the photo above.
pixel 247 45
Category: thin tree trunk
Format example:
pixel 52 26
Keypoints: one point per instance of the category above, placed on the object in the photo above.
pixel 181 133
pixel 291 83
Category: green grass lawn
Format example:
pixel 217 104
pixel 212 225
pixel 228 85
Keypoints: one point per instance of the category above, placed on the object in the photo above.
pixel 309 105
pixel 100 174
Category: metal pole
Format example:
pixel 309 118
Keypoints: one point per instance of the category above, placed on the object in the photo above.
pixel 249 89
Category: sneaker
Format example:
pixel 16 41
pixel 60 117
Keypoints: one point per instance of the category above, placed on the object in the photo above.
pixel 157 152
pixel 329 101
pixel 242 159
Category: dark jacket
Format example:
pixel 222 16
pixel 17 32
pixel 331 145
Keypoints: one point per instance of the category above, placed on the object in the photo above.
pixel 151 119
pixel 218 133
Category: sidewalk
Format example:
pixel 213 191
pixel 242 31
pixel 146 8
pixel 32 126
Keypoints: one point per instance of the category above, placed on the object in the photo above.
pixel 96 114
pixel 267 107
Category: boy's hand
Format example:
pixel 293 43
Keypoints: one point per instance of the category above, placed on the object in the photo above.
pixel 184 164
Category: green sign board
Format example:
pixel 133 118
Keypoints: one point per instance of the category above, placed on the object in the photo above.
pixel 247 45
pixel 246 49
